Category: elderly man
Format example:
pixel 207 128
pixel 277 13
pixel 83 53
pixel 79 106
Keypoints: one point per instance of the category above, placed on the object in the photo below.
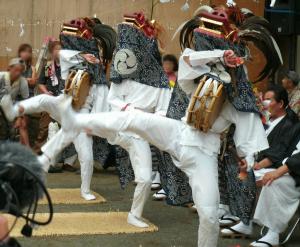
pixel 290 83
pixel 277 129
pixel 279 198
pixel 12 83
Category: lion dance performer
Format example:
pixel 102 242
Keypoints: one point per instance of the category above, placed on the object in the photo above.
pixel 138 84
pixel 87 46
pixel 214 76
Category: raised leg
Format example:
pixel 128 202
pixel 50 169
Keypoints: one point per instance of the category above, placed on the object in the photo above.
pixel 42 103
pixel 162 132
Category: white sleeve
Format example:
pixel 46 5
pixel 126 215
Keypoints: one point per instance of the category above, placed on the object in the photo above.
pixel 249 136
pixel 68 59
pixel 200 58
pixel 115 97
pixel 163 101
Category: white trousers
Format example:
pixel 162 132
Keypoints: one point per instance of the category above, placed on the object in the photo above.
pixel 277 204
pixel 141 160
pixel 165 133
pixel 96 102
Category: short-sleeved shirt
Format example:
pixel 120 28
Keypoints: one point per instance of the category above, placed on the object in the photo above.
pixel 45 79
pixel 15 89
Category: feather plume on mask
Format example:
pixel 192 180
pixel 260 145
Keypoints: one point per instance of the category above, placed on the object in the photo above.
pixel 259 31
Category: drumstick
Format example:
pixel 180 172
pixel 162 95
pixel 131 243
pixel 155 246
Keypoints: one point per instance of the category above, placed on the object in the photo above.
pixel 242 174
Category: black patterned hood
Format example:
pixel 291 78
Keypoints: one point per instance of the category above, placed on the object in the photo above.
pixel 242 98
pixel 96 71
pixel 137 58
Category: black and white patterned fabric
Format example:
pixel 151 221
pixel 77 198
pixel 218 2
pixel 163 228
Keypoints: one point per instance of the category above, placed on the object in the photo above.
pixel 96 71
pixel 137 58
pixel 239 195
pixel 242 98
pixel 173 180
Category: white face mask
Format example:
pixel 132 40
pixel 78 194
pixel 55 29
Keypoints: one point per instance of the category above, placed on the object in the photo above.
pixel 266 103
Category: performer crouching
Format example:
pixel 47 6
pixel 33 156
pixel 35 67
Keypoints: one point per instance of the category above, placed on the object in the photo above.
pixel 138 84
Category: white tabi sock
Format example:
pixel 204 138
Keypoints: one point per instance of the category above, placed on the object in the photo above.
pixel 271 237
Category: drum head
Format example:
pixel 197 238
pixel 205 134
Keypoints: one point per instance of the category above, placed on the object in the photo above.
pixel 206 104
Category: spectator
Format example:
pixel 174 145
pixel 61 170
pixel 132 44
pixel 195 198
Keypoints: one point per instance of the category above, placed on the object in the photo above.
pixel 170 65
pixel 30 122
pixel 13 83
pixel 277 128
pixel 279 198
pixel 290 83
pixel 25 53
pixel 281 121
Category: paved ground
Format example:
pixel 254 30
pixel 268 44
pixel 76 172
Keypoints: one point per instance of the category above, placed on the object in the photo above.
pixel 177 225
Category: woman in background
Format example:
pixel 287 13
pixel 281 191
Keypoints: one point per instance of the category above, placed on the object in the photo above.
pixel 170 65
pixel 25 53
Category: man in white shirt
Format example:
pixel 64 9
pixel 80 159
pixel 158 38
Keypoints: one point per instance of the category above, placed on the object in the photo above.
pixel 279 124
pixel 279 198
pixel 12 83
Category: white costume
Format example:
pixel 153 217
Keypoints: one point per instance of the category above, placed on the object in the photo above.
pixel 131 96
pixel 95 102
pixel 279 201
pixel 193 152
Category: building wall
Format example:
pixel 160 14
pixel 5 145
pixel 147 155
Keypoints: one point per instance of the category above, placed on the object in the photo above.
pixel 30 21
pixel 42 18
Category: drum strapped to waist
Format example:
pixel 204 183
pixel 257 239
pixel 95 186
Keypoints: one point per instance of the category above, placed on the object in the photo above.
pixel 206 104
pixel 78 86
